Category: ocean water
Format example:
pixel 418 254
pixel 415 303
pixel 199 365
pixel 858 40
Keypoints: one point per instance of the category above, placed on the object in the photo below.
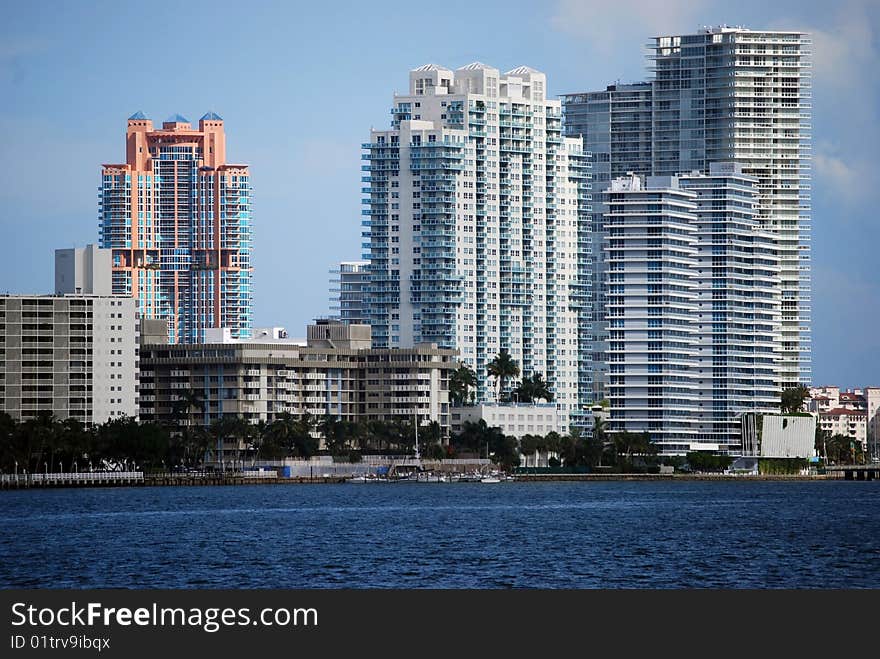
pixel 459 535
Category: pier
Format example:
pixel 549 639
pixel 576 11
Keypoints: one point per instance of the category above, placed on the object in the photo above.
pixel 856 472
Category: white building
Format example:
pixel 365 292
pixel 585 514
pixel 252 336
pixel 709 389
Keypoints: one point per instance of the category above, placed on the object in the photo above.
pixel 514 419
pixel 734 94
pixel 693 308
pixel 83 270
pixel 738 305
pixel 788 436
pixel 651 257
pixel 477 210
pixel 75 356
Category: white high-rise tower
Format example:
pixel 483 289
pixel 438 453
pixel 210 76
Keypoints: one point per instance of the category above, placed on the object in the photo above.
pixel 475 206
pixel 730 94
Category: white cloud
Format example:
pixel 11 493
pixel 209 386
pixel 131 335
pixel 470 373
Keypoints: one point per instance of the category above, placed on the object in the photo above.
pixel 846 54
pixel 605 23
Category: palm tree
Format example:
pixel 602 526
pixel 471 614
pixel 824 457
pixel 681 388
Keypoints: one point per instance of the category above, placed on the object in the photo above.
pixel 532 389
pixel 333 430
pixel 460 383
pixel 187 401
pixel 502 368
pixel 792 400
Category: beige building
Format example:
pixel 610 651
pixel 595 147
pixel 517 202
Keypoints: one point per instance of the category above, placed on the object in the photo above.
pixel 336 373
pixel 75 356
pixel 842 421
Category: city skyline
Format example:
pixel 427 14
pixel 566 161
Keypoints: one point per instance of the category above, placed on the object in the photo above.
pixel 293 206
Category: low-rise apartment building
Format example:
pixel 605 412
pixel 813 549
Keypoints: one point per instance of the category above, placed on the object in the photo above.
pixel 514 419
pixel 336 373
pixel 842 421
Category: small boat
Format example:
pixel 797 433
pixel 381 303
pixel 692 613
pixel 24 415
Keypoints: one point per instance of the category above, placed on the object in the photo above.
pixel 490 479
pixel 358 479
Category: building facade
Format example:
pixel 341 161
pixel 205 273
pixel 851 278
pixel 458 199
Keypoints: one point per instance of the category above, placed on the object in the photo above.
pixel 514 419
pixel 738 305
pixel 177 217
pixel 336 373
pixel 74 356
pixel 866 400
pixel 848 422
pixel 475 219
pixel 615 125
pixel 720 95
pixel 651 258
pixel 872 409
pixel 83 271
pixel 733 94
pixel 693 308
pixel 348 286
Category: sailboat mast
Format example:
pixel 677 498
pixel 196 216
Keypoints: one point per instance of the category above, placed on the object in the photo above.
pixel 416 416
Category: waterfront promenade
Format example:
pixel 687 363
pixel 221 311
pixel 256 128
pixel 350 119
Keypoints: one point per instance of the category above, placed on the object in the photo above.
pixel 210 478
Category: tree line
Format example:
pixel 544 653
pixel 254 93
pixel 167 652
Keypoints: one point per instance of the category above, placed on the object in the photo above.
pixel 45 443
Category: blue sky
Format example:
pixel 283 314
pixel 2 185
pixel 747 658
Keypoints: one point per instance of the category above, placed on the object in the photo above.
pixel 300 85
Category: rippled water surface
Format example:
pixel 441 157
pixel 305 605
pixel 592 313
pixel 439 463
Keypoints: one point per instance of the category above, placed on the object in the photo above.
pixel 548 535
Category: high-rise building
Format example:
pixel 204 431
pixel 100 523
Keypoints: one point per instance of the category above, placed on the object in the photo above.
pixel 177 217
pixel 74 356
pixel 348 283
pixel 84 270
pixel 693 308
pixel 616 128
pixel 738 306
pixel 652 281
pixel 720 95
pixel 733 94
pixel 477 215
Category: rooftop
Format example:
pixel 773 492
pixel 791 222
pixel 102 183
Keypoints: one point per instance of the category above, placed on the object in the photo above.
pixel 840 411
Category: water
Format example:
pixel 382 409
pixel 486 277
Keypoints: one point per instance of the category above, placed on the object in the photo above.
pixel 541 535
